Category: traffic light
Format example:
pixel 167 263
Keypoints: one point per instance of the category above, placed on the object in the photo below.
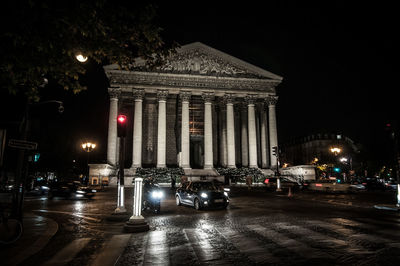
pixel 36 157
pixel 275 151
pixel 121 125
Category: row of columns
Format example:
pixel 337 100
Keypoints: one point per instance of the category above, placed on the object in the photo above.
pixel 249 134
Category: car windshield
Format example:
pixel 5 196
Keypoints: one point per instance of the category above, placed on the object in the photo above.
pixel 204 186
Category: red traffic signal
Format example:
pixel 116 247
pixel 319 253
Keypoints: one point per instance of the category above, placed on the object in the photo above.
pixel 121 119
pixel 121 125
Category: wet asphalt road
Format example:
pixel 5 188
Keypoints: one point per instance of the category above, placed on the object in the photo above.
pixel 258 228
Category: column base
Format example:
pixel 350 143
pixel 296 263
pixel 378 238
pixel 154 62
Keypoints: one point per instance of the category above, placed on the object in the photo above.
pixel 253 166
pixel 161 166
pixel 231 166
pixel 208 166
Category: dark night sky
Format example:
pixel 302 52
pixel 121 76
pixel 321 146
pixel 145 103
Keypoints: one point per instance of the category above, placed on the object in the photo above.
pixel 337 60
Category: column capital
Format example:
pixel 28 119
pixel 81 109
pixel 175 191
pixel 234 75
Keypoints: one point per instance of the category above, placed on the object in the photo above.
pixel 138 94
pixel 251 98
pixel 208 97
pixel 229 98
pixel 114 93
pixel 271 100
pixel 162 95
pixel 185 96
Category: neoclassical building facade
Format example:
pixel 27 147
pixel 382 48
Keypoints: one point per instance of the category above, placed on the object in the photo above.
pixel 201 109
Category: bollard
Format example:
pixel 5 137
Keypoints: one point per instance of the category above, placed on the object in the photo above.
pixel 290 192
pixel 137 223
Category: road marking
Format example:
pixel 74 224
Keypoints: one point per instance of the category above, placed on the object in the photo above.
pixel 353 234
pixel 66 254
pixel 312 235
pixel 77 214
pixel 183 253
pixel 157 251
pixel 248 246
pixel 201 245
pixel 111 252
pixel 289 243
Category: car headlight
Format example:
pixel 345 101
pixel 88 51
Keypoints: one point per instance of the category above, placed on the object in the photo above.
pixel 157 194
pixel 93 190
pixel 204 195
pixel 80 191
pixel 45 188
pixel 226 193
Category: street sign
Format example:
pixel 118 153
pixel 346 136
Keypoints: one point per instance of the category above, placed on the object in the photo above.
pixel 22 144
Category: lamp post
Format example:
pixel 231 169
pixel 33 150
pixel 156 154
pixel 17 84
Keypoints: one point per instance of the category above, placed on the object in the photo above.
pixel 88 147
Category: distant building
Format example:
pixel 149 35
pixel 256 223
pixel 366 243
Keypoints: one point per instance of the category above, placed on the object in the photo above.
pixel 317 148
pixel 201 109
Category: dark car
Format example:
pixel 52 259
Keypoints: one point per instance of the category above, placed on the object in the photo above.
pixel 201 194
pixel 70 190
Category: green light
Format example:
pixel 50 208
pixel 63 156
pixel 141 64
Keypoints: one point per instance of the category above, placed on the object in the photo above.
pixel 36 157
pixel 336 169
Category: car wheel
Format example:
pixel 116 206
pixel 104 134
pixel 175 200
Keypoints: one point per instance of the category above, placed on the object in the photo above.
pixel 178 201
pixel 197 204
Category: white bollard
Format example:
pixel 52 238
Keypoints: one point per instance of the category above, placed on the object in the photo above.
pixel 137 222
pixel 121 200
pixel 137 198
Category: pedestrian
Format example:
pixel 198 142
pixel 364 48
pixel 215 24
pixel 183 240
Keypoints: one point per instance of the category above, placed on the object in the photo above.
pixel 249 182
pixel 173 181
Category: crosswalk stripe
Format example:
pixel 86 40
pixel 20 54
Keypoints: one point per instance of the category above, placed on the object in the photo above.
pixel 248 246
pixel 183 252
pixel 352 234
pixel 289 243
pixel 312 235
pixel 69 252
pixel 201 245
pixel 157 251
pixel 112 250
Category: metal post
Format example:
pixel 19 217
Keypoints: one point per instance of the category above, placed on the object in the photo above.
pixel 121 176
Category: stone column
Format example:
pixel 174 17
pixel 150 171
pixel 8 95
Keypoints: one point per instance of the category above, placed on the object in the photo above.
pixel 137 129
pixel 244 135
pixel 230 131
pixel 252 131
pixel 208 139
pixel 185 134
pixel 273 134
pixel 264 140
pixel 162 128
pixel 112 127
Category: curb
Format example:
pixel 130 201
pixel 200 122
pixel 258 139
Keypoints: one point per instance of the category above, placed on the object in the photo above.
pixel 388 208
pixel 40 243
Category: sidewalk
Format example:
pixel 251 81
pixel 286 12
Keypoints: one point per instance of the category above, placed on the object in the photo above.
pixel 38 230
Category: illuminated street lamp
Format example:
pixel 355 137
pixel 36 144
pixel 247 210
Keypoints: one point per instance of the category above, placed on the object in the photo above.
pixel 335 150
pixel 81 58
pixel 88 147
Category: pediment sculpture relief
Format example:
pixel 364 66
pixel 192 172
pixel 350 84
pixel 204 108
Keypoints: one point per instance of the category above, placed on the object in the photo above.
pixel 201 63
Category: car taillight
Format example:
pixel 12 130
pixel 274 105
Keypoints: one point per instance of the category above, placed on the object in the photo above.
pixel 266 181
pixel 318 185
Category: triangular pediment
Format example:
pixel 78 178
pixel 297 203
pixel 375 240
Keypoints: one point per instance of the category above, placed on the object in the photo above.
pixel 200 59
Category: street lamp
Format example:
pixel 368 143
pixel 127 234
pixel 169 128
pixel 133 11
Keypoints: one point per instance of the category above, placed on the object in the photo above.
pixel 335 150
pixel 81 58
pixel 88 147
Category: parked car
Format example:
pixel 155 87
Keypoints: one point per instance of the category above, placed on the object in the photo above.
pixel 391 185
pixel 201 194
pixel 70 190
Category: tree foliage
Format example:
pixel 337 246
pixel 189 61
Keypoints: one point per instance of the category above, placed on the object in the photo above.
pixel 40 40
